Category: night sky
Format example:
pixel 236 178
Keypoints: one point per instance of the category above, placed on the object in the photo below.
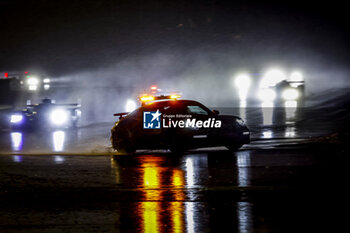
pixel 62 37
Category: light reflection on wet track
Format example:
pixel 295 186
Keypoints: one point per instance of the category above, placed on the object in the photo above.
pixel 196 192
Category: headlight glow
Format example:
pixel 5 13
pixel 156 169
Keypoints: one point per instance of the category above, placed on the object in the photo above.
pixel 271 78
pixel 242 82
pixel 290 94
pixel 17 141
pixel 296 77
pixel 33 87
pixel 130 105
pixel 33 81
pixel 46 86
pixel 267 94
pixel 58 141
pixel 59 116
pixel 17 118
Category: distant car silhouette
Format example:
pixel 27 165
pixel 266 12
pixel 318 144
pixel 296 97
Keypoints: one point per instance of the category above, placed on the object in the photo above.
pixel 46 115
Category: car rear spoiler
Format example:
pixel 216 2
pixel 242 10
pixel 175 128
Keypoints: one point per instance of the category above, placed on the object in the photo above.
pixel 121 114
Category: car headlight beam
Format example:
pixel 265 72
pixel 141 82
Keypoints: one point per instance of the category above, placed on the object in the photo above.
pixel 242 82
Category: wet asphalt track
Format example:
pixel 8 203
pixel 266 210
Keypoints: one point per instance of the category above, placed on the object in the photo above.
pixel 70 181
pixel 252 190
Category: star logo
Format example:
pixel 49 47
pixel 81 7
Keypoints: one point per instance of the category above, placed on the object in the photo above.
pixel 156 115
pixel 151 120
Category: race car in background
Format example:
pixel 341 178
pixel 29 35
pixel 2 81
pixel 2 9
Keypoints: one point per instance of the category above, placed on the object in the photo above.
pixel 29 81
pixel 273 88
pixel 167 122
pixel 46 115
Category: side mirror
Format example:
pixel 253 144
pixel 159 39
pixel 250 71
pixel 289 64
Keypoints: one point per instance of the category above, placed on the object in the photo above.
pixel 216 112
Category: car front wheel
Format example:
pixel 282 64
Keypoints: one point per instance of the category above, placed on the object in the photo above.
pixel 122 145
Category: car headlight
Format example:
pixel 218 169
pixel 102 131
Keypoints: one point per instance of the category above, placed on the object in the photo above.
pixel 16 118
pixel 33 81
pixel 46 86
pixel 240 121
pixel 290 94
pixel 59 116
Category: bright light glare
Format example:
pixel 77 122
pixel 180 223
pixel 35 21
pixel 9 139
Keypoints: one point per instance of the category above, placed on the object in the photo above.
pixel 296 77
pixel 290 132
pixel 16 139
pixel 16 118
pixel 46 86
pixel 59 117
pixel 58 140
pixel 242 109
pixel 59 159
pixel 243 82
pixel 32 81
pixel 267 134
pixel 271 78
pixel 291 104
pixel 17 158
pixel 130 105
pixel 267 95
pixel 46 80
pixel 290 94
pixel 33 87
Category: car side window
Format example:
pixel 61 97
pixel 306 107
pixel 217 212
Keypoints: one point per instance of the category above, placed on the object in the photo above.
pixel 174 109
pixel 195 109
